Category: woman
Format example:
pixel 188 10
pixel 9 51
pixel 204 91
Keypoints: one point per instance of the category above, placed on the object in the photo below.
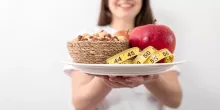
pixel 133 93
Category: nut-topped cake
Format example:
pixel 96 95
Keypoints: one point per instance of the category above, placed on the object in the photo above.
pixel 96 48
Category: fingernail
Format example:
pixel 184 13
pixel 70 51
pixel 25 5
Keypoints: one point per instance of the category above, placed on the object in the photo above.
pixel 128 80
pixel 112 79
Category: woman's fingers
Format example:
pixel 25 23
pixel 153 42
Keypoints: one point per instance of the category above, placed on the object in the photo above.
pixel 113 78
pixel 142 79
pixel 152 77
pixel 129 81
pixel 120 82
pixel 123 82
pixel 113 84
pixel 126 81
pixel 136 80
pixel 100 76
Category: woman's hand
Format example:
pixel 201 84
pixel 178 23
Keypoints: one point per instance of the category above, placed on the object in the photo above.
pixel 167 89
pixel 128 82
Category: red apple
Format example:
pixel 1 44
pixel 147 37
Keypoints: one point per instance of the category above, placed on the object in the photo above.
pixel 158 36
pixel 122 34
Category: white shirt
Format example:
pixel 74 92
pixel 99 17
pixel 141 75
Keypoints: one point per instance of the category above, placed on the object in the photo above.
pixel 138 98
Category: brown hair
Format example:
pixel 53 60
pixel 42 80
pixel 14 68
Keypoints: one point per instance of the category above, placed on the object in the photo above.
pixel 145 16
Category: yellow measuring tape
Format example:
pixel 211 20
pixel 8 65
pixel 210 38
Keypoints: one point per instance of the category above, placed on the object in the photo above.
pixel 149 55
pixel 123 56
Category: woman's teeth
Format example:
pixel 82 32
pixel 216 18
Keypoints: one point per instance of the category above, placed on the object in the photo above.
pixel 125 5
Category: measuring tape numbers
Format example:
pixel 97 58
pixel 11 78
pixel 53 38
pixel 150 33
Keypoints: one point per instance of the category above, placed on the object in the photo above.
pixel 149 55
pixel 159 55
pixel 123 56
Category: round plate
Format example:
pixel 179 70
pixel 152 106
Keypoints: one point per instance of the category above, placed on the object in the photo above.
pixel 123 69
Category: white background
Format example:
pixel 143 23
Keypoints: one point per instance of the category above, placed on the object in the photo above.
pixel 33 34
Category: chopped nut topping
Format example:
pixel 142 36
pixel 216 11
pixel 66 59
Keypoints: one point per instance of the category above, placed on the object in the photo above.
pixel 99 36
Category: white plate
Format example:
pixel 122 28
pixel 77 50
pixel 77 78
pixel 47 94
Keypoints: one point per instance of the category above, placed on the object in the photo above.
pixel 123 69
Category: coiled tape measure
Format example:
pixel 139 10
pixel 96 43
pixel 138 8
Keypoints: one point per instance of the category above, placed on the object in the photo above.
pixel 149 55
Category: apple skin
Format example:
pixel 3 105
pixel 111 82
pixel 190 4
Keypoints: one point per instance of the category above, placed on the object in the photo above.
pixel 158 36
pixel 122 35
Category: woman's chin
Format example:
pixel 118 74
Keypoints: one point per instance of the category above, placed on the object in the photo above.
pixel 126 16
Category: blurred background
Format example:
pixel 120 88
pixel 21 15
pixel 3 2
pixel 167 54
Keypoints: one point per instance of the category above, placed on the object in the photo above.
pixel 33 35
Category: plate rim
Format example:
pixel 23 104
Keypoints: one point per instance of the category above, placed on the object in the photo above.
pixel 123 65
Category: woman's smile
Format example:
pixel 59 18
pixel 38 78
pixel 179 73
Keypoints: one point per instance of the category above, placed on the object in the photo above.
pixel 124 9
pixel 125 5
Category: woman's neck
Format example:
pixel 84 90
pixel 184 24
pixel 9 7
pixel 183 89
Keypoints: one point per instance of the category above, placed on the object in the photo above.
pixel 122 24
